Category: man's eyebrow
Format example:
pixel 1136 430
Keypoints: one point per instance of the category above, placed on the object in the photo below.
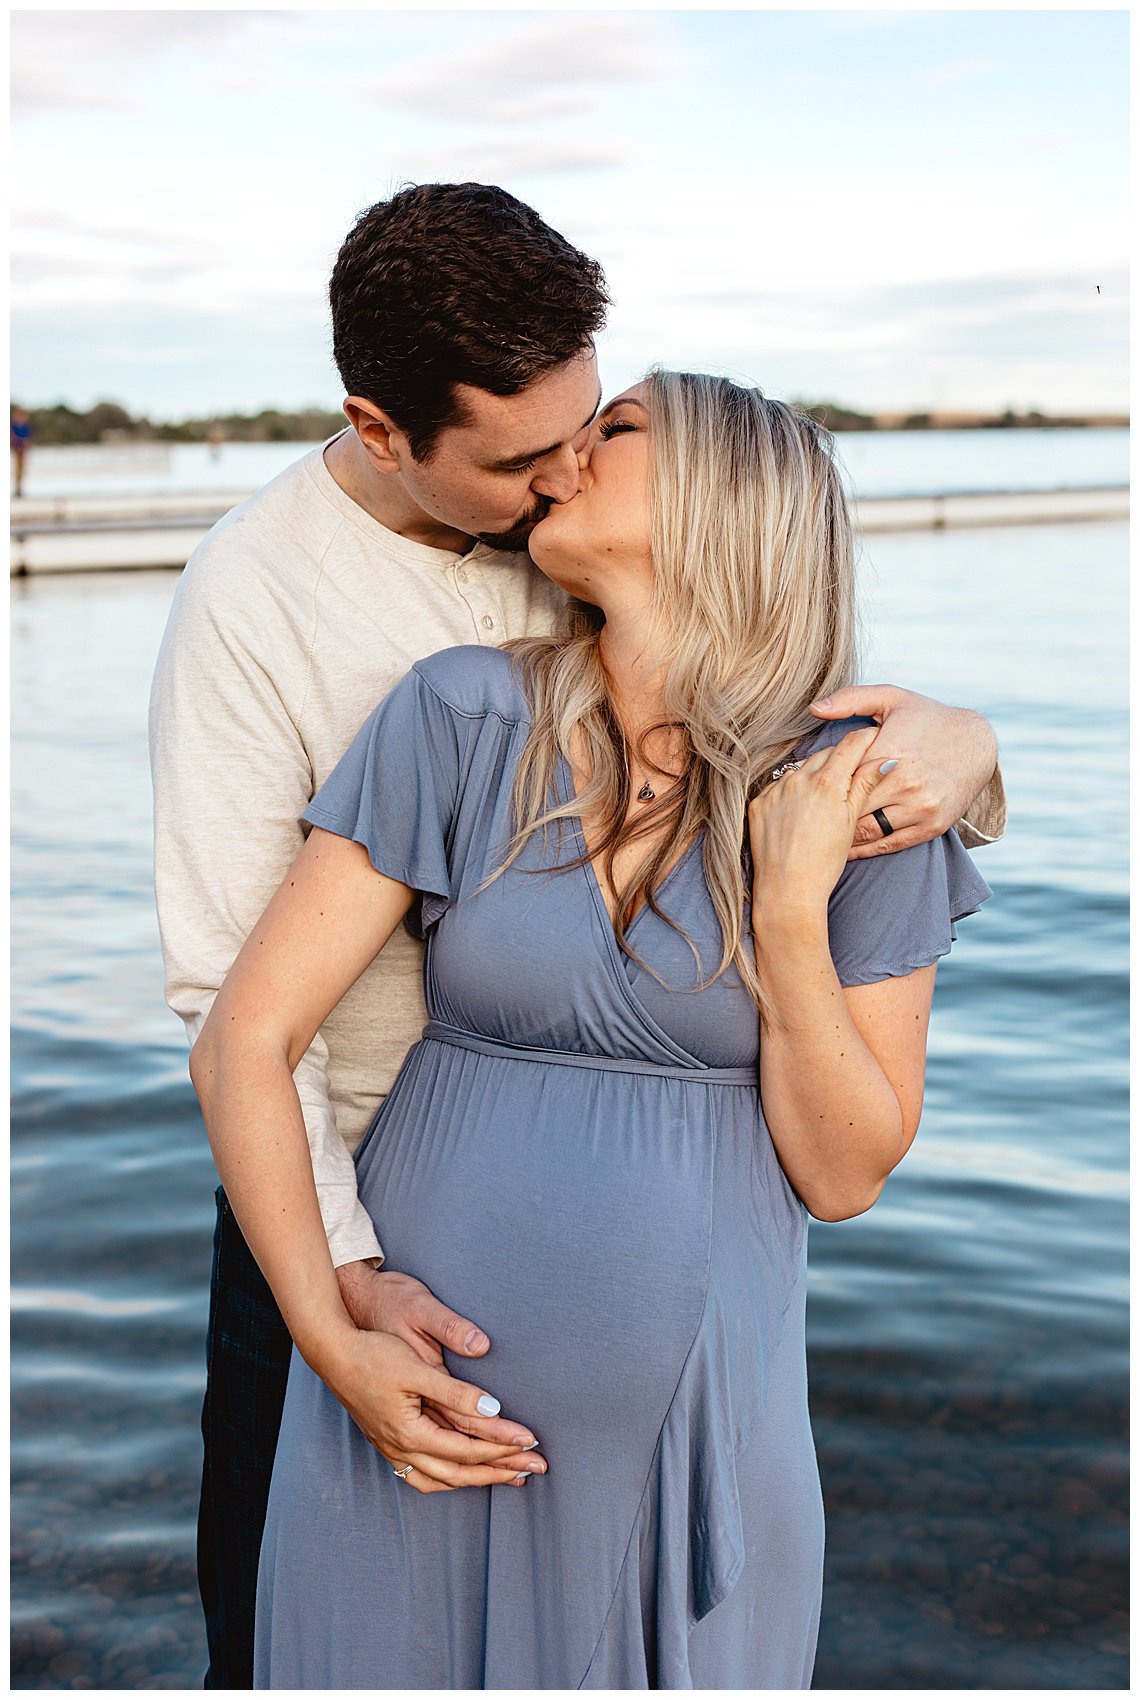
pixel 537 454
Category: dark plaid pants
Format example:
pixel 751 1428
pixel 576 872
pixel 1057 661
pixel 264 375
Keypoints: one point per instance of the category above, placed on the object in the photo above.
pixel 247 1365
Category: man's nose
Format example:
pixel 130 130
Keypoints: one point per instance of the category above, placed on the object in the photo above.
pixel 558 477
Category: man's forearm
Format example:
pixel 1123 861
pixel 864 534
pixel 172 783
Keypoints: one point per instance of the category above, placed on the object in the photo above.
pixel 348 1226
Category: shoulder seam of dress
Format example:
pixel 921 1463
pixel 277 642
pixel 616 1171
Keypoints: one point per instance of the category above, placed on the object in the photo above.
pixel 467 713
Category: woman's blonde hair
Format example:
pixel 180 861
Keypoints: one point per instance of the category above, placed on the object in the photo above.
pixel 753 618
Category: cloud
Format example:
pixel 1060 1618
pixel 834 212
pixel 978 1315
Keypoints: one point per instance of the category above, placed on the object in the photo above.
pixel 1051 332
pixel 492 159
pixel 72 264
pixel 29 271
pixel 86 60
pixel 65 265
pixel 958 297
pixel 1046 140
pixel 1048 339
pixel 937 76
pixel 885 82
pixel 60 259
pixel 195 350
pixel 171 361
pixel 527 101
pixel 44 221
pixel 116 279
pixel 858 22
pixel 51 87
pixel 555 69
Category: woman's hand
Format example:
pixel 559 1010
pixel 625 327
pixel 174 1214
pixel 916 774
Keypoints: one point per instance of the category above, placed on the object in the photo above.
pixel 802 827
pixel 414 1413
pixel 393 1302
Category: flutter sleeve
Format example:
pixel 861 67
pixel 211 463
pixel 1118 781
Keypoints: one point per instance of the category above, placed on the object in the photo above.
pixel 395 791
pixel 891 914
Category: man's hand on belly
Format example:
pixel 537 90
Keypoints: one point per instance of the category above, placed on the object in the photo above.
pixel 399 1304
pixel 390 1302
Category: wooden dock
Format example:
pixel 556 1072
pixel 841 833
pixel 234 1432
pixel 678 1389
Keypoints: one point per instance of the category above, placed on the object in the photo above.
pixel 67 534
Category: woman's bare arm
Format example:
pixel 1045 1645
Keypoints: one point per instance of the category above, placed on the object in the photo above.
pixel 322 928
pixel 841 1071
pixel 324 925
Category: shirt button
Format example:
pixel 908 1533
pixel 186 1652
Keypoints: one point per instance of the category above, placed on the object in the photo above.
pixel 461 574
pixel 488 622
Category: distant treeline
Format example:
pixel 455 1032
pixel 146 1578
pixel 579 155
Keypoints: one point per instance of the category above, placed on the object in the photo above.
pixel 839 418
pixel 107 422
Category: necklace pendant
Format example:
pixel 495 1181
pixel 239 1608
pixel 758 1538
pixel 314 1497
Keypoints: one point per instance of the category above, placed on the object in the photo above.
pixel 646 794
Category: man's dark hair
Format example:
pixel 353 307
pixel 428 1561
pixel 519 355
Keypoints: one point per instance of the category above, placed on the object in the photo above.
pixel 456 283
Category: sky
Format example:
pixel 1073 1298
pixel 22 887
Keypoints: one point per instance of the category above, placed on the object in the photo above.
pixel 900 209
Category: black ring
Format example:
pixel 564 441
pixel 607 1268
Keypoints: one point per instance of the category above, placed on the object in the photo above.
pixel 884 824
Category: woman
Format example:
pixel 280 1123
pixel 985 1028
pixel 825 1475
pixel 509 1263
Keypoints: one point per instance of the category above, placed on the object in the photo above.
pixel 627 851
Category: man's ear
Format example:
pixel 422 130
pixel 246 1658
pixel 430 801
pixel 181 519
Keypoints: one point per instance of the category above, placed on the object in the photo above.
pixel 383 440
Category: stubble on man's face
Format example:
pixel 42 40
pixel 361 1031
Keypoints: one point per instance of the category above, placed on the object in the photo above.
pixel 515 540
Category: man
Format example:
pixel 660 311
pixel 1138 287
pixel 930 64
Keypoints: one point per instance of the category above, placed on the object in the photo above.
pixel 463 330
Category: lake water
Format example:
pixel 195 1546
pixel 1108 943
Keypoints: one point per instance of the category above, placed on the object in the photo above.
pixel 967 1337
pixel 879 463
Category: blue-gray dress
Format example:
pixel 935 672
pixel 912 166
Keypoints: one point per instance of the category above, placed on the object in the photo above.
pixel 574 1156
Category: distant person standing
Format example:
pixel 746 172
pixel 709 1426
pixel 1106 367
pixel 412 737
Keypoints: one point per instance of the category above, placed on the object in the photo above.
pixel 19 439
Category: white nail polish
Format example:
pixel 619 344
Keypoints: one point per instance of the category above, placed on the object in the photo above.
pixel 888 767
pixel 488 1405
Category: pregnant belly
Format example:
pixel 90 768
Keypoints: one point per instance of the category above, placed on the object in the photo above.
pixel 622 1246
pixel 567 1212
